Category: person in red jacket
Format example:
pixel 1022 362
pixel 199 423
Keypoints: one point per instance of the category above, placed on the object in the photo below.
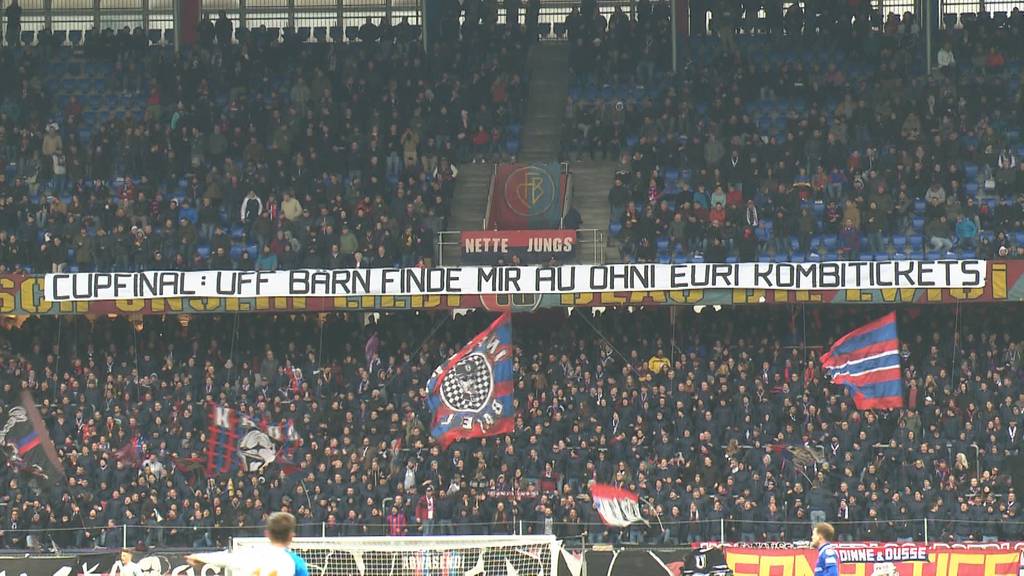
pixel 426 512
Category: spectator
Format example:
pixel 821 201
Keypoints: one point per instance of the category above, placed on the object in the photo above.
pixel 13 15
pixel 849 238
pixel 966 232
pixel 939 234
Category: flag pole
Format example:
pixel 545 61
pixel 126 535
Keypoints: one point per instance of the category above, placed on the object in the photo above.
pixel 655 510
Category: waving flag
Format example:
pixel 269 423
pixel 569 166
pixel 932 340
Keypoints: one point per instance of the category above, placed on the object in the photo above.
pixel 132 452
pixel 615 506
pixel 236 440
pixel 26 443
pixel 471 393
pixel 867 362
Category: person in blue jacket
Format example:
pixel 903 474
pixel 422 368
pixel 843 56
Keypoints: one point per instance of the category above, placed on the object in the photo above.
pixel 828 560
pixel 301 568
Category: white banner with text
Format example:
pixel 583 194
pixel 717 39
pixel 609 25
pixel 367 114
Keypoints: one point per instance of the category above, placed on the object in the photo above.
pixel 84 286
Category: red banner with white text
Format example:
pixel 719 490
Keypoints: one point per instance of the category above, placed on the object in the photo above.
pixel 530 246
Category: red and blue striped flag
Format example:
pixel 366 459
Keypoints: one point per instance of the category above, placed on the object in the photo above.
pixel 867 362
pixel 471 393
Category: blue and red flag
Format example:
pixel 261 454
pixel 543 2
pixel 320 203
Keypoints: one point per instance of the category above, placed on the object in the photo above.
pixel 471 393
pixel 132 452
pixel 236 440
pixel 26 444
pixel 867 362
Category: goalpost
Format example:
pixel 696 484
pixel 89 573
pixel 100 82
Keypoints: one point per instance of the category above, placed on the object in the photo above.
pixel 424 555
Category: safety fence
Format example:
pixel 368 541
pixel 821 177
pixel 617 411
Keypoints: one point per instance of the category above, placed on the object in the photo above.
pixel 66 16
pixel 667 530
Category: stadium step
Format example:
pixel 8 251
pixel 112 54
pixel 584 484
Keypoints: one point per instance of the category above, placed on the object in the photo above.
pixel 549 87
pixel 590 183
pixel 468 206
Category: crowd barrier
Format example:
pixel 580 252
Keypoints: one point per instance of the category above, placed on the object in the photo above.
pixel 714 559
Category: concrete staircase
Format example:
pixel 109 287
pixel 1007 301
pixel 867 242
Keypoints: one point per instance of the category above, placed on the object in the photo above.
pixel 468 206
pixel 591 181
pixel 549 87
pixel 541 139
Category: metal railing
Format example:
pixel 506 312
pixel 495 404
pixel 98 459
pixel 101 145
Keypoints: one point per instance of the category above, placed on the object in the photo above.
pixel 67 15
pixel 592 241
pixel 490 197
pixel 661 531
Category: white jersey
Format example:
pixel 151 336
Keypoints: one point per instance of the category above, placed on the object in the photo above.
pixel 263 561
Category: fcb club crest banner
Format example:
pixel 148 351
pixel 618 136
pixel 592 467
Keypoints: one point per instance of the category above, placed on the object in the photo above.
pixel 236 440
pixel 527 197
pixel 471 393
pixel 878 560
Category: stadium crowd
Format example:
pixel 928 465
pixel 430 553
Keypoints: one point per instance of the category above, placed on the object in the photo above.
pixel 723 422
pixel 816 135
pixel 256 154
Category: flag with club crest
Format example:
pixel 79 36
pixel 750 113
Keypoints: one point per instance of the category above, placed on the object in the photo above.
pixel 471 392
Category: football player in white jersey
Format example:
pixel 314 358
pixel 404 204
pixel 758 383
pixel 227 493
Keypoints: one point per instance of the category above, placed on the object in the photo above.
pixel 270 560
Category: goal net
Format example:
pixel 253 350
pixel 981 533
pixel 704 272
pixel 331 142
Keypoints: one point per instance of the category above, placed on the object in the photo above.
pixel 424 556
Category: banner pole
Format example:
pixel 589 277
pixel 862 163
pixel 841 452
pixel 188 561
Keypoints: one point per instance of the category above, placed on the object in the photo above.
pixel 926 530
pixel 721 530
pixel 124 536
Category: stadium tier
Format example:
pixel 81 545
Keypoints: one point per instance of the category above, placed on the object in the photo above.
pixel 819 136
pixel 723 422
pixel 228 287
pixel 259 154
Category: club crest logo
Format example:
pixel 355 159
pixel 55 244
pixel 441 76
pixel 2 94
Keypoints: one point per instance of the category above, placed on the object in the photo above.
pixel 468 386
